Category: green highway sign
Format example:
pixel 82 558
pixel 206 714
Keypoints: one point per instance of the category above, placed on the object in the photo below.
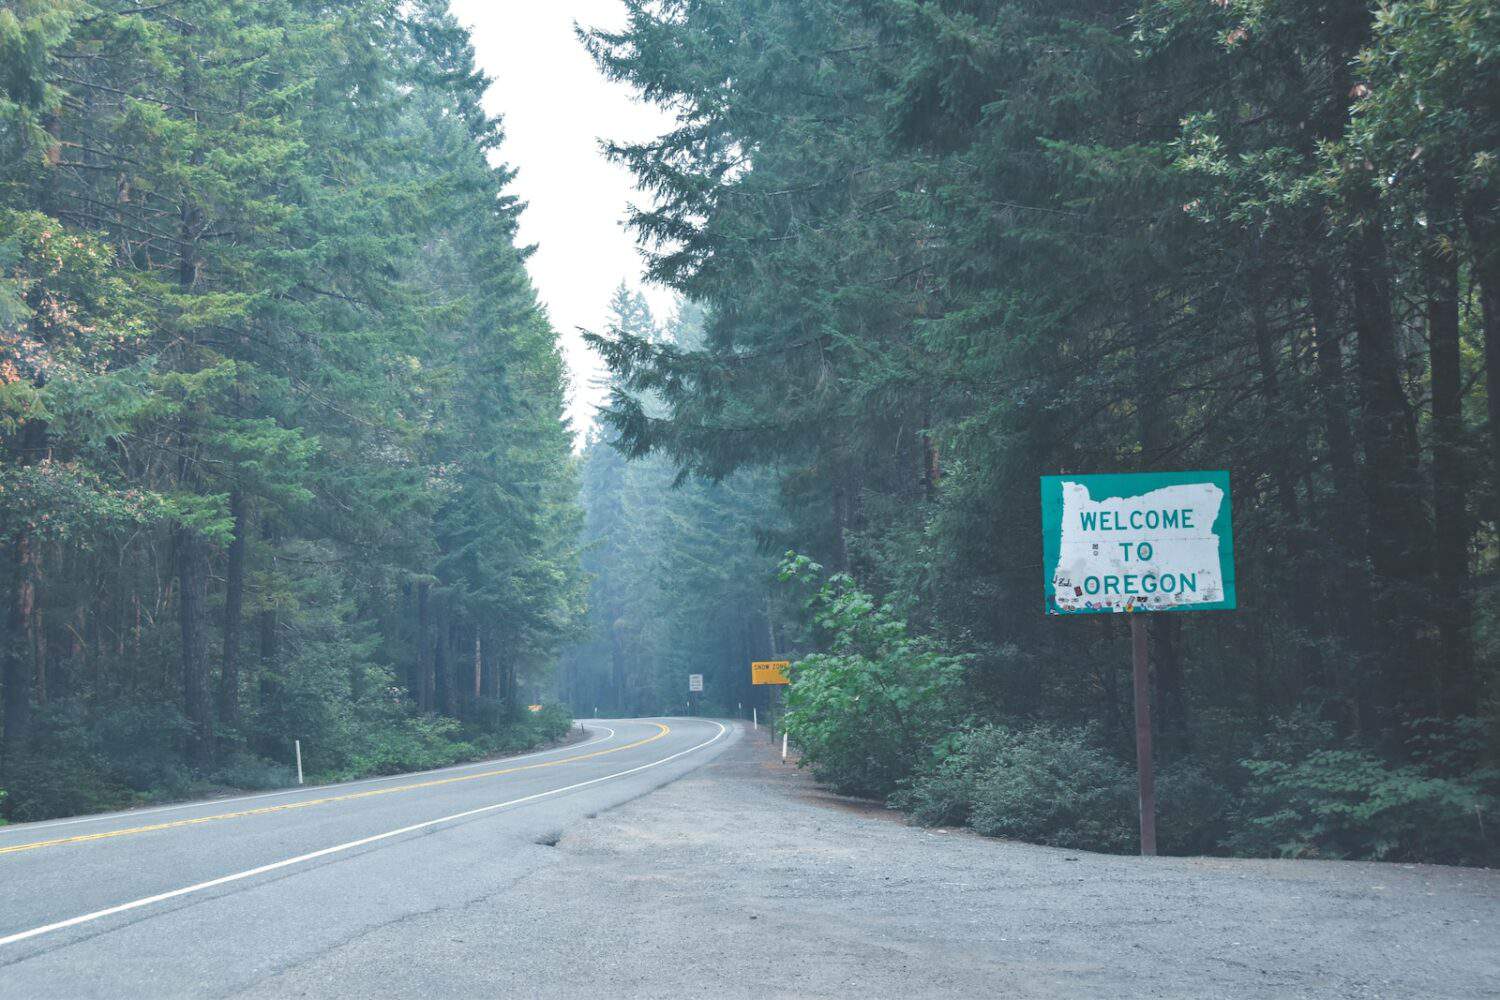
pixel 1147 541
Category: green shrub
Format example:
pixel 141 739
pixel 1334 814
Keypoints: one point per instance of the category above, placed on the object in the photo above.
pixel 1309 795
pixel 1350 804
pixel 143 743
pixel 863 713
pixel 534 728
pixel 1053 786
pixel 247 771
pixel 1192 809
pixel 493 729
pixel 1046 785
pixel 413 743
pixel 47 784
pixel 942 790
pixel 65 770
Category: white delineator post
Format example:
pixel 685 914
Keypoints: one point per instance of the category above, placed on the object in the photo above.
pixel 755 718
pixel 298 744
pixel 783 744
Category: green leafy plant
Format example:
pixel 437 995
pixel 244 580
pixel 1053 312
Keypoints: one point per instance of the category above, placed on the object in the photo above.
pixel 1043 784
pixel 1347 803
pixel 864 711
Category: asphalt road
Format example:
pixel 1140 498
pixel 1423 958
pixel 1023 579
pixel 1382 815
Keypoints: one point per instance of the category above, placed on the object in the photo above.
pixel 744 881
pixel 210 898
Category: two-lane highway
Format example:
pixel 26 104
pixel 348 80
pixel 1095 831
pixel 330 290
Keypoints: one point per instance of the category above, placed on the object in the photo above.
pixel 206 898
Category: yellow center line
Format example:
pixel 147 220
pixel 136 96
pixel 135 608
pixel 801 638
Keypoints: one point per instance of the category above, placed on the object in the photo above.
pixel 304 803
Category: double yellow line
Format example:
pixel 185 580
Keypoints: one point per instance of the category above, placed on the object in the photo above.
pixel 304 803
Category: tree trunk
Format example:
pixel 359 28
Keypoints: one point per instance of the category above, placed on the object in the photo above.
pixel 1391 458
pixel 490 686
pixel 192 558
pixel 1398 534
pixel 1345 522
pixel 1449 480
pixel 840 522
pixel 445 663
pixel 36 630
pixel 512 709
pixel 424 649
pixel 1283 457
pixel 234 602
pixel 441 695
pixel 1270 380
pixel 617 660
pixel 269 628
pixel 192 573
pixel 17 676
pixel 24 650
pixel 1484 235
pixel 478 665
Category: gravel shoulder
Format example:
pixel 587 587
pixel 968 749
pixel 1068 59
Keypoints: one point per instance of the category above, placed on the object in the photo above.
pixel 743 879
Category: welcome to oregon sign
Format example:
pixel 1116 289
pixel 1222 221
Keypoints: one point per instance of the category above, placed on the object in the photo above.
pixel 1151 541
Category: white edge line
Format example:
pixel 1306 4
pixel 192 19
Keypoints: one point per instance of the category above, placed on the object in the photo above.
pixel 337 848
pixel 305 789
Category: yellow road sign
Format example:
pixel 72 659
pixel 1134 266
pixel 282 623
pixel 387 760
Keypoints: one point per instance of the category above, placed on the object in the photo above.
pixel 769 671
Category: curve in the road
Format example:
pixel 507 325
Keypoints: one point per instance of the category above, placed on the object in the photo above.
pixel 106 817
pixel 374 838
pixel 324 800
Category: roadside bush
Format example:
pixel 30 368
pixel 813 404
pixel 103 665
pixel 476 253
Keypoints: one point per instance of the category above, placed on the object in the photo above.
pixel 1348 803
pixel 143 743
pixel 247 771
pixel 63 770
pixel 534 728
pixel 1046 785
pixel 47 784
pixel 863 713
pixel 1053 786
pixel 413 743
pixel 494 730
pixel 942 790
pixel 1192 809
pixel 1308 795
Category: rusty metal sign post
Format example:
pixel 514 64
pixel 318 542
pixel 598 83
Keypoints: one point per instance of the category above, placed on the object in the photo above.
pixel 1134 543
pixel 1141 679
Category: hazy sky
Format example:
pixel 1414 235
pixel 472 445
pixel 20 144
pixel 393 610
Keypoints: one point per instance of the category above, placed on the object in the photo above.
pixel 556 107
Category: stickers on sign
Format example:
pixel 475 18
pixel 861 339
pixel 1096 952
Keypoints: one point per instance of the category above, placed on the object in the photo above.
pixel 1154 541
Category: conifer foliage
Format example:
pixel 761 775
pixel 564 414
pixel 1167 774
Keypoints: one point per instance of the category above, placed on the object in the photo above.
pixel 281 442
pixel 946 247
pixel 679 568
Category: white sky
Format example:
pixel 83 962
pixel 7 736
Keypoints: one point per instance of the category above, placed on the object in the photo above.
pixel 556 106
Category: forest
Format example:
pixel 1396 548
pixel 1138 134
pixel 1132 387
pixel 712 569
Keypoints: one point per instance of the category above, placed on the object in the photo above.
pixel 285 456
pixel 945 247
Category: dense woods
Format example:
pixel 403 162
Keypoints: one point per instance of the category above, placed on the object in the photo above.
pixel 282 453
pixel 281 447
pixel 946 247
pixel 678 570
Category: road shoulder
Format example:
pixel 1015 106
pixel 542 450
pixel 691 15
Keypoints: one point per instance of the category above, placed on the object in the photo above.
pixel 740 881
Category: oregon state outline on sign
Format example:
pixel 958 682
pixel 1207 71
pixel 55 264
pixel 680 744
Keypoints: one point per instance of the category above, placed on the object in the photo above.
pixel 1150 541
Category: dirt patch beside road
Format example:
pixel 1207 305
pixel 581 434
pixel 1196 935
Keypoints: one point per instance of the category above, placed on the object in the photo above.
pixel 739 881
pixel 743 880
